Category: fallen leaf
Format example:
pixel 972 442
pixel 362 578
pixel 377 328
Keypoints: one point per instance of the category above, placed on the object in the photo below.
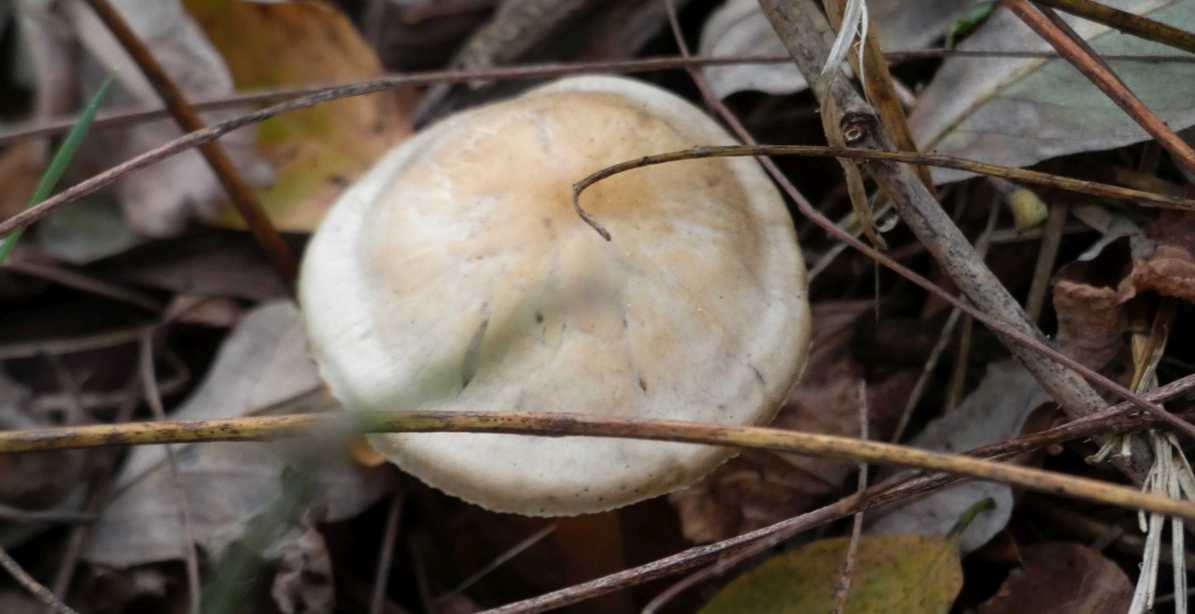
pixel 34 480
pixel 910 574
pixel 1019 111
pixel 161 200
pixel 214 263
pixel 263 362
pixel 92 230
pixel 1170 269
pixel 739 28
pixel 758 488
pixel 317 151
pixel 1063 578
pixel 107 590
pixel 994 411
pixel 1089 323
pixel 20 168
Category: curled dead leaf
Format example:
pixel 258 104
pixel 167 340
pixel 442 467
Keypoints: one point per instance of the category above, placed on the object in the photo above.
pixel 1062 578
pixel 1089 322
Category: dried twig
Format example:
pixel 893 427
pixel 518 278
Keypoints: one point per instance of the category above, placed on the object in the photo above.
pixel 962 357
pixel 894 490
pixel 945 241
pixel 503 558
pixel 1047 256
pixel 239 192
pixel 65 516
pixel 113 119
pixel 806 35
pixel 153 397
pixel 37 589
pixel 1126 22
pixel 842 591
pixel 99 493
pixel 1070 184
pixel 264 428
pixel 82 281
pixel 381 578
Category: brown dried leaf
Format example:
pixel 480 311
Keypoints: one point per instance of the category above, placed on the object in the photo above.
pixel 758 488
pixel 20 167
pixel 1170 269
pixel 1089 322
pixel 1062 578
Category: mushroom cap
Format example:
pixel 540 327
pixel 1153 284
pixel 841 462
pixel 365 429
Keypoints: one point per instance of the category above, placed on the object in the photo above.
pixel 456 276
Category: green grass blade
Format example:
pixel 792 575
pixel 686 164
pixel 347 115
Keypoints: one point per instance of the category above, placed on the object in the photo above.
pixel 62 159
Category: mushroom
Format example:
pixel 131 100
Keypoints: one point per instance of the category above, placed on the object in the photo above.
pixel 455 275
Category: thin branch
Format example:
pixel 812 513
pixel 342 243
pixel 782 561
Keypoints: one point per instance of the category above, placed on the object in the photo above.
pixel 806 36
pixel 240 193
pixel 1070 184
pixel 301 98
pixel 679 562
pixel 848 562
pixel 736 549
pixel 114 119
pixel 894 490
pixel 37 589
pixel 64 276
pixel 1017 335
pixel 1102 77
pixel 1047 257
pixel 381 577
pixel 99 492
pixel 66 516
pixel 503 558
pixel 263 428
pixel 153 397
pixel 1137 25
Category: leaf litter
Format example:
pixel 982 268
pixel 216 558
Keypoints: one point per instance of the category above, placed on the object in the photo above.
pixel 996 410
pixel 1017 110
pixel 893 573
pixel 264 362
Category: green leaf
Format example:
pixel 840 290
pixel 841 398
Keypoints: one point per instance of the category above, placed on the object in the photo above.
pixel 911 574
pixel 968 21
pixel 62 159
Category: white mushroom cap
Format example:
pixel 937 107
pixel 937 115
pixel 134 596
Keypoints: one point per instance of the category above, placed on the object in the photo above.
pixel 456 276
